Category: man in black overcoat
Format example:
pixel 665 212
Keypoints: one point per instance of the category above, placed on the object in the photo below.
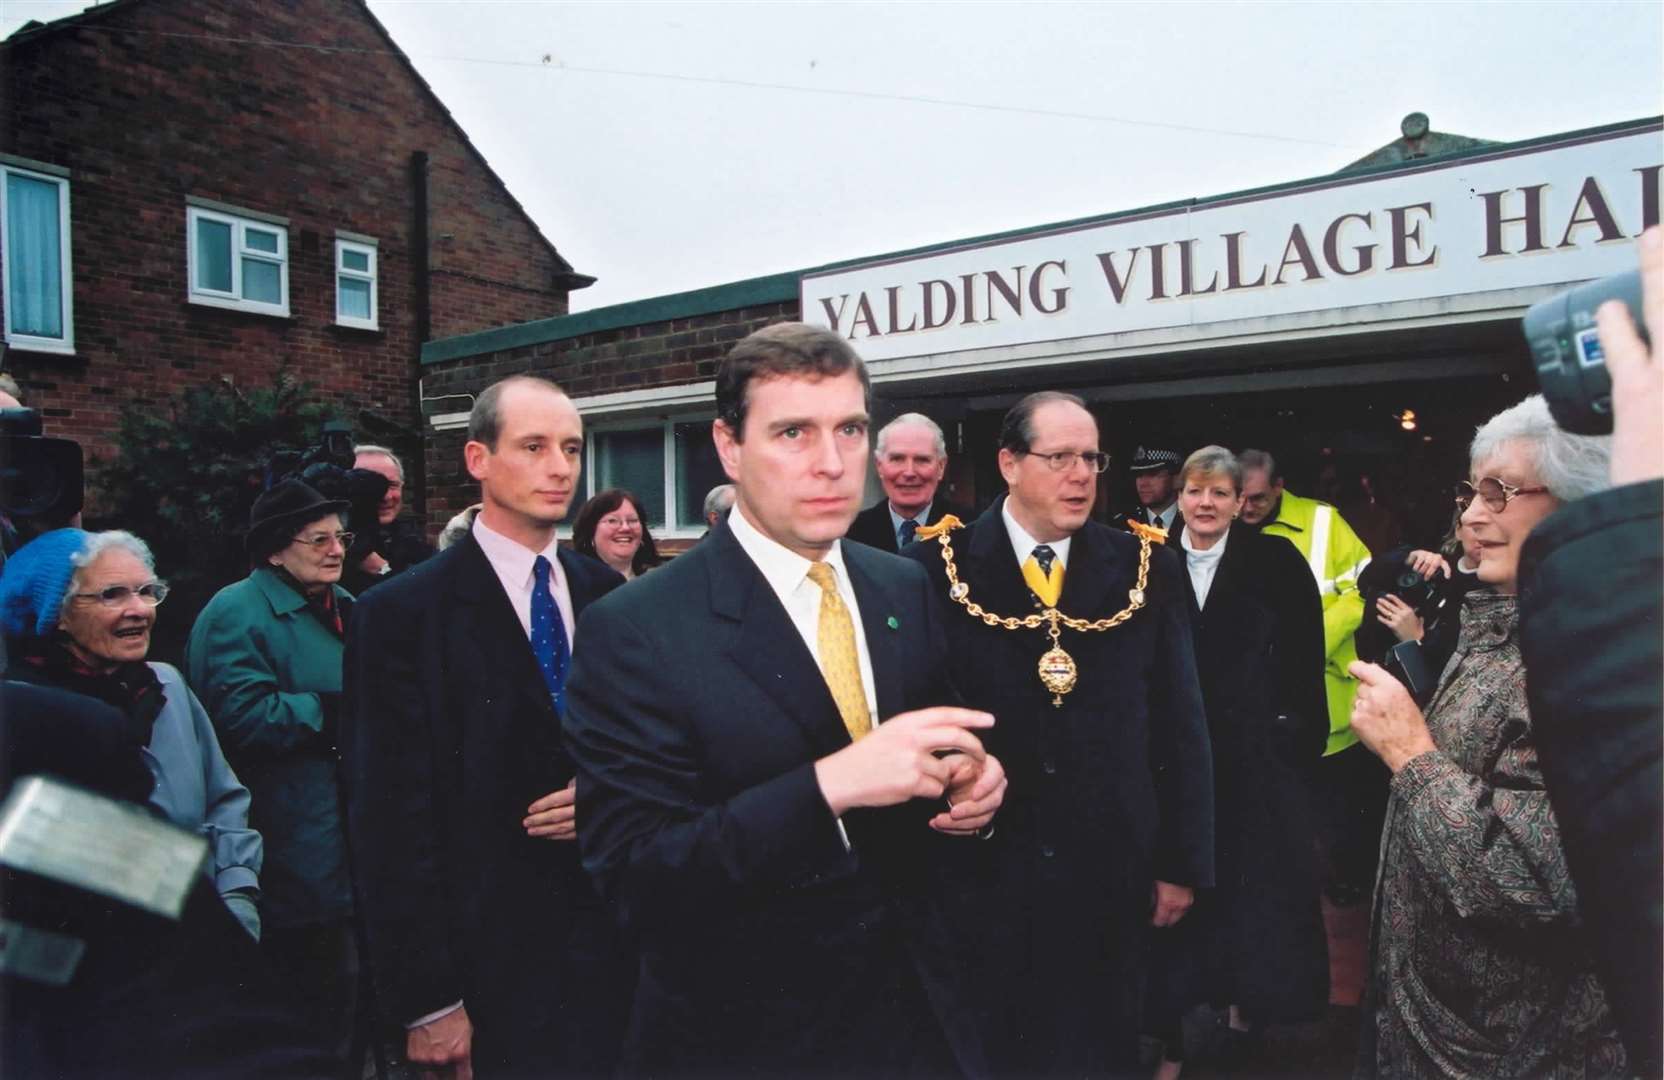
pixel 487 940
pixel 756 791
pixel 911 458
pixel 1109 823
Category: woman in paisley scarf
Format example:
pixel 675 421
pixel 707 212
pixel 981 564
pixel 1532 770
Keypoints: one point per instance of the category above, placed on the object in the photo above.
pixel 78 608
pixel 1477 964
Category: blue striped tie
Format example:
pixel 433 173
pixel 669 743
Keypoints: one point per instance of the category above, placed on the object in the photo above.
pixel 549 635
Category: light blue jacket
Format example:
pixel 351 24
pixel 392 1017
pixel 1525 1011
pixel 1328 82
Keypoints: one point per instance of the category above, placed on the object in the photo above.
pixel 197 790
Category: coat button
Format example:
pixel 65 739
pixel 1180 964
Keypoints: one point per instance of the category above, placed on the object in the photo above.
pixel 1048 767
pixel 1047 850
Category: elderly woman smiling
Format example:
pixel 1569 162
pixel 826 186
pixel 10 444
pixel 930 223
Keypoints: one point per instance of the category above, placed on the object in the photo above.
pixel 77 609
pixel 1478 969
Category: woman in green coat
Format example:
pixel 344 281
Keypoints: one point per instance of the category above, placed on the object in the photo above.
pixel 265 659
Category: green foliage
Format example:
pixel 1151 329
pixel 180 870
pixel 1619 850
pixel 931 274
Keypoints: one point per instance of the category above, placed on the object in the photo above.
pixel 184 479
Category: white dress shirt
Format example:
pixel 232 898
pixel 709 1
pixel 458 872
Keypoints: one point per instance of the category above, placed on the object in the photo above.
pixel 513 563
pixel 1164 520
pixel 1024 544
pixel 1202 564
pixel 787 573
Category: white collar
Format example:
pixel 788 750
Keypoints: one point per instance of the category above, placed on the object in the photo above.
pixel 510 558
pixel 922 517
pixel 783 568
pixel 1212 554
pixel 1023 544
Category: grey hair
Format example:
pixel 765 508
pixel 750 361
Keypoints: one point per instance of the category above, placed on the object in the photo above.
pixel 100 542
pixel 1213 461
pixel 719 500
pixel 1570 466
pixel 381 451
pixel 913 418
pixel 1256 459
pixel 458 527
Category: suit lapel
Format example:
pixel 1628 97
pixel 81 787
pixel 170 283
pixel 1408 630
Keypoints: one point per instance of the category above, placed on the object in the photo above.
pixel 491 631
pixel 767 647
pixel 883 642
pixel 1090 575
pixel 991 567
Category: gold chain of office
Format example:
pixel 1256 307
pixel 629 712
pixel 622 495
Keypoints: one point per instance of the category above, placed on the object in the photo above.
pixel 1057 668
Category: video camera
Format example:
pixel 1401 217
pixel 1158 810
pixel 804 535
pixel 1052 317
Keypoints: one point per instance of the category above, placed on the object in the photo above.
pixel 1571 367
pixel 1393 574
pixel 40 478
pixel 328 467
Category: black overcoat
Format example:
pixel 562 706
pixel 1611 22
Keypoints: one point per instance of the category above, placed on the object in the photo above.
pixel 1590 617
pixel 1256 939
pixel 1108 793
pixel 448 734
pixel 767 945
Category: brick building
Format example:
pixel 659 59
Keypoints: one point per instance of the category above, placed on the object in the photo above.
pixel 207 189
pixel 1359 322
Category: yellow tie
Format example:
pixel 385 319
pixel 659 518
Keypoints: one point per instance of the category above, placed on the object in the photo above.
pixel 839 662
pixel 1048 586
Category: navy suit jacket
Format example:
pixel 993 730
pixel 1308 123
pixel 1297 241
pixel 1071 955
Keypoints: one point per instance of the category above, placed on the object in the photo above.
pixel 448 734
pixel 874 528
pixel 696 714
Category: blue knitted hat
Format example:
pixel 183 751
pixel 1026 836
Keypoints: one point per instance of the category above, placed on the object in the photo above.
pixel 34 582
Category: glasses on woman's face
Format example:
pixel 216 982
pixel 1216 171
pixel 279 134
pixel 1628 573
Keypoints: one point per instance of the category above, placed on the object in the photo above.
pixel 151 592
pixel 613 521
pixel 321 541
pixel 1495 494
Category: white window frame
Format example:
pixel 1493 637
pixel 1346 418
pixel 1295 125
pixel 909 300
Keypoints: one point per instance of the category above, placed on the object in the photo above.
pixel 672 528
pixel 65 345
pixel 364 246
pixel 239 250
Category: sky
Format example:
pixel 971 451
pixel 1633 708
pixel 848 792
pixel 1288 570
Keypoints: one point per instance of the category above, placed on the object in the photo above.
pixel 672 146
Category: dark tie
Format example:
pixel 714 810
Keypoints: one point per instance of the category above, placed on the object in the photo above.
pixel 904 534
pixel 549 634
pixel 1043 554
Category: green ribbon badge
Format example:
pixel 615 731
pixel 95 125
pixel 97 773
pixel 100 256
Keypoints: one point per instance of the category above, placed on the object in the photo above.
pixel 892 623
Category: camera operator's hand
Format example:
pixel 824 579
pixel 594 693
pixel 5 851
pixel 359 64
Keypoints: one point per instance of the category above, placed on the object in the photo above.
pixel 1637 374
pixel 1400 618
pixel 1427 564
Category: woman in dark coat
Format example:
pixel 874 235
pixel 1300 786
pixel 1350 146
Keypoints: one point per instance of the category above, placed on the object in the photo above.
pixel 1255 942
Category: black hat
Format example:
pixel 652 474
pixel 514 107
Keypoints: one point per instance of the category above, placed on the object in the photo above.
pixel 287 506
pixel 1147 460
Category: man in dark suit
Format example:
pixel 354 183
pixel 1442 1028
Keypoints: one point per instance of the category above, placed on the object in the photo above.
pixel 486 938
pixel 1109 827
pixel 767 837
pixel 1155 475
pixel 911 459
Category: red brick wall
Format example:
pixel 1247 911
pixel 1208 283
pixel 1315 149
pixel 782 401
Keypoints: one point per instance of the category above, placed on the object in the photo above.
pixel 629 358
pixel 145 107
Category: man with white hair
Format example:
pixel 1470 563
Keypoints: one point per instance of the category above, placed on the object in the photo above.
pixel 398 544
pixel 718 501
pixel 911 458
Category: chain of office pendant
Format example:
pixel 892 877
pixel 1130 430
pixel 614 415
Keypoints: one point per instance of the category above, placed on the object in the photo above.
pixel 960 592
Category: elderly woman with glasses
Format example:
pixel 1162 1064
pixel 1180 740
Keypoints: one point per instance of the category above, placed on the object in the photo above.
pixel 77 609
pixel 1478 963
pixel 265 656
pixel 612 527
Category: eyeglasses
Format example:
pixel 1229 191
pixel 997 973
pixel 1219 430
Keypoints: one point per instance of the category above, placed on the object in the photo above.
pixel 620 523
pixel 322 541
pixel 1497 495
pixel 1096 460
pixel 152 593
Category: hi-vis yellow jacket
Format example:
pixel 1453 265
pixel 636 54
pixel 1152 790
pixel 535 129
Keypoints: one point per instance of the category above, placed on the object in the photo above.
pixel 1336 557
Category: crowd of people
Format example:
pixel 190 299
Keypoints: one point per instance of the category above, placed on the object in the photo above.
pixel 899 790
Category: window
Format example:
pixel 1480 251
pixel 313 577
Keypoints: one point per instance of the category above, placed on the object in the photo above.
pixel 668 465
pixel 237 262
pixel 34 224
pixel 355 283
